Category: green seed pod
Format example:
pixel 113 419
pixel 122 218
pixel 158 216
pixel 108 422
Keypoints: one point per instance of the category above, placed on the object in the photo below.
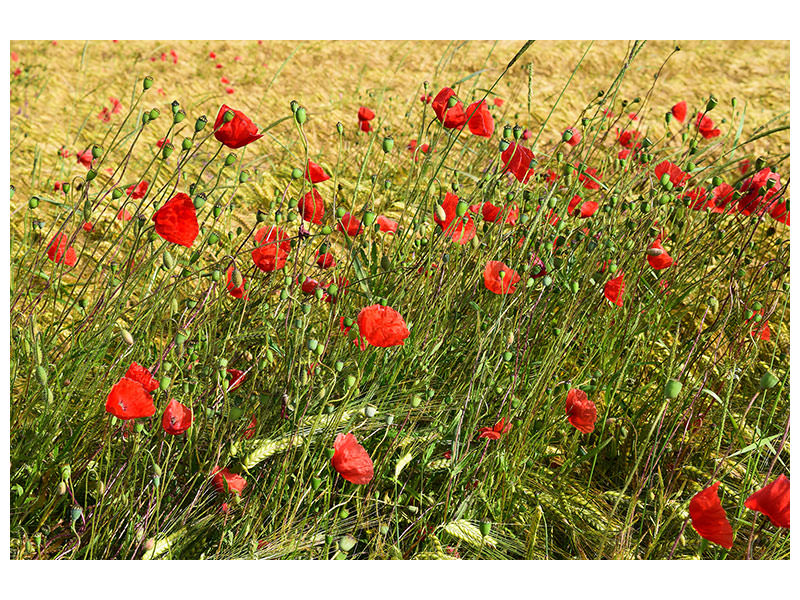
pixel 91 174
pixel 300 115
pixel 327 230
pixel 388 144
pixel 503 145
pixel 673 389
pixel 116 194
pixel 33 202
pixel 178 117
pixel 369 218
pixel 485 528
pixel 147 83
pixel 339 128
pixel 230 159
pixel 315 483
pixel 228 116
pixel 461 208
pixel 154 114
pixel 768 381
pixel 350 381
pixel 339 365
pixel 166 150
pixel 217 210
pixel 507 356
pixel 164 382
pixel 41 375
pixel 169 261
pixel 712 103
pixel 573 286
pixel 200 123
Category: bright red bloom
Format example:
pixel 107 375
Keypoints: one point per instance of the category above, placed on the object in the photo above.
pixel 250 431
pixel 223 478
pixel 498 102
pixel 386 224
pixel 237 378
pixel 87 226
pixel 116 105
pixel 59 252
pixel 450 117
pixel 177 418
pixel 142 376
pixel 581 412
pixel 426 99
pixel 709 519
pixel 460 229
pixel 350 225
pixel 627 139
pixel 588 176
pixel 659 261
pixel 756 198
pixel 160 143
pixel 761 328
pixel 499 278
pixel 312 207
pixel 779 212
pixel 480 119
pixel 236 292
pixel 706 127
pixel 124 215
pixel 586 209
pixel 676 175
pixel 273 250
pixel 137 192
pixel 365 126
pixel 365 114
pixel 104 115
pixel 130 397
pixel 614 289
pixel 176 221
pixel 722 199
pixel 576 136
pixel 494 433
pixel 517 159
pixel 85 158
pixel 492 213
pixel 237 132
pixel 679 111
pixel 773 501
pixel 309 285
pixel 744 166
pixel 351 461
pixel 315 173
pixel 382 326
pixel 326 260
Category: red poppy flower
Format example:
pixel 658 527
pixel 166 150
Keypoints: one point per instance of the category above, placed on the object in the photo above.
pixel 59 252
pixel 576 136
pixel 494 433
pixel 273 250
pixel 709 519
pixel 706 127
pixel 498 102
pixel 85 158
pixel 351 461
pixel 236 292
pixel 585 209
pixel 386 224
pixel 237 378
pixel 142 376
pixel 312 207
pixel 250 431
pixel 14 57
pixel 315 173
pixel 382 326
pixel 779 212
pixel 761 328
pixel 453 116
pixel 365 114
pixel 679 111
pixel 104 115
pixel 460 229
pixel 223 478
pixel 526 135
pixel 177 418
pixel 229 90
pixel 499 278
pixel 137 192
pixel 237 132
pixel 773 501
pixel 623 154
pixel 309 285
pixel 124 215
pixel 480 119
pixel 350 225
pixel 130 397
pixel 365 126
pixel 658 261
pixel 744 166
pixel 676 175
pixel 116 105
pixel 88 226
pixel 426 99
pixel 627 139
pixel 588 176
pixel 326 260
pixel 160 143
pixel 492 213
pixel 614 289
pixel 756 198
pixel 176 221
pixel 517 159
pixel 581 412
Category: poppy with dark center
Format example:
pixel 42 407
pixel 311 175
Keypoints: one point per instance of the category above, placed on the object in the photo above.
pixel 773 501
pixel 450 116
pixel 236 292
pixel 627 139
pixel 315 173
pixel 676 175
pixel 499 278
pixel 350 225
pixel 273 249
pixel 382 326
pixel 517 159
pixel 351 461
pixel 311 207
pixel 575 136
pixel 709 519
pixel 460 229
pixel 137 192
pixel 176 221
pixel 223 480
pixel 581 209
pixel 480 121
pixel 614 289
pixel 60 252
pixel 679 111
pixel 386 224
pixel 706 127
pixel 237 132
pixel 142 376
pixel 581 412
pixel 177 418
pixel 657 256
pixel 494 433
pixel 325 260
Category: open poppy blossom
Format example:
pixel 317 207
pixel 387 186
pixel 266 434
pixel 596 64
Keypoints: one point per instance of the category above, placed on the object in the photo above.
pixel 350 225
pixel 492 213
pixel 273 249
pixel 453 116
pixel 177 418
pixel 517 159
pixel 779 212
pixel 614 289
pixel 365 115
pixel 137 192
pixel 382 326
pixel 480 121
pixel 581 412
pixel 460 229
pixel 658 257
pixel 160 143
pixel 130 397
pixel 773 501
pixel 312 207
pixel 315 173
pixel 627 139
pixel 584 210
pixel 756 198
pixel 142 376
pixel 676 175
pixel 575 136
pixel 236 292
pixel 761 328
pixel 237 378
pixel 386 224
pixel 88 226
pixel 309 285
pixel 499 278
pixel 679 111
pixel 351 461
pixel 706 127
pixel 59 252
pixel 237 132
pixel 709 519
pixel 176 221
pixel 494 433
pixel 223 480
pixel 85 158
pixel 326 260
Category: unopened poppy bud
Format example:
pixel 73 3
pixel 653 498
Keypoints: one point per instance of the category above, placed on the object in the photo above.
pixel 318 293
pixel 33 202
pixel 339 128
pixel 340 212
pixel 654 251
pixel 41 374
pixel 668 117
pixel 712 103
pixel 461 208
pixel 315 483
pixel 389 419
pixel 178 116
pixel 169 261
pixel 91 174
pixel 300 115
pixel 327 230
pixel 665 179
pixel 370 411
pixel 200 123
pixel 734 102
pixel 126 336
pixel 166 150
pixel 244 176
pixel 236 278
pixel 673 389
pixel 154 113
pixel 768 381
pixel 440 213
pixel 547 281
pixel 574 287
pixel 503 145
pixel 147 83
pixel 416 401
pixel 388 144
pixel 338 365
pixel 65 186
pixel 62 488
pixel 350 381
pixel 517 132
pixel 485 528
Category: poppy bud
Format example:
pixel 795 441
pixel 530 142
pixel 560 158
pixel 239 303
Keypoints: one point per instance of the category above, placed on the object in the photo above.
pixel 169 261
pixel 388 144
pixel 350 381
pixel 147 83
pixel 217 210
pixel 33 202
pixel 503 145
pixel 340 212
pixel 485 528
pixel 712 103
pixel 126 336
pixel 440 213
pixel 179 116
pixel 300 115
pixel 416 401
pixel 547 281
pixel 369 218
pixel 673 389
pixel 76 513
pixel 461 208
pixel 339 128
pixel 62 488
pixel 243 176
pixel 370 411
pixel 668 117
pixel 768 381
pixel 339 365
pixel 236 278
pixel 213 238
pixel 64 186
pixel 517 132
pixel 318 293
pixel 91 174
pixel 164 382
pixel 200 123
pixel 166 150
pixel 154 113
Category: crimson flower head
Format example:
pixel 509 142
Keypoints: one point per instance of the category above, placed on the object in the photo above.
pixel 176 221
pixel 237 378
pixel 755 197
pixel 676 175
pixel 614 289
pixel 59 252
pixel 498 102
pixel 386 224
pixel 679 111
pixel 706 127
pixel 581 412
pixel 382 326
pixel 237 132
pixel 85 158
pixel 236 292
pixel 587 177
pixel 658 257
pixel 177 418
pixel 493 213
pixel 460 229
pixel 137 192
pixel 351 461
pixel 350 225
pixel 773 501
pixel 309 285
pixel 312 207
pixel 627 139
pixel 576 136
pixel 499 278
pixel 480 119
pixel 223 478
pixel 451 117
pixel 315 173
pixel 585 209
pixel 517 159
pixel 326 260
pixel 142 376
pixel 130 397
pixel 709 519
pixel 273 249
pixel 494 433
pixel 365 115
